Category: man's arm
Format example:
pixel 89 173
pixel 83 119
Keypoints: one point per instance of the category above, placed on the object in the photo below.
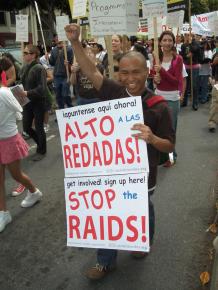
pixel 86 65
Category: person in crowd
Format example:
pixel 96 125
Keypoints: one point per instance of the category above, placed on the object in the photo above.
pixel 150 48
pixel 33 78
pixel 40 48
pixel 61 81
pixel 17 66
pixel 13 148
pixel 54 41
pixel 171 78
pixel 99 52
pixel 193 50
pixel 10 71
pixel 85 92
pixel 205 72
pixel 213 114
pixel 157 130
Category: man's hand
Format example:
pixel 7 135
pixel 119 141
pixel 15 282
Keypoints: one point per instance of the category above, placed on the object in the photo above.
pixel 144 134
pixel 72 32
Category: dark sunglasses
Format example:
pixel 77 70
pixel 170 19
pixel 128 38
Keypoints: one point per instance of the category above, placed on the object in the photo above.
pixel 116 68
pixel 26 53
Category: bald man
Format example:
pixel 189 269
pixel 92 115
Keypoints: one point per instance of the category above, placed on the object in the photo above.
pixel 156 131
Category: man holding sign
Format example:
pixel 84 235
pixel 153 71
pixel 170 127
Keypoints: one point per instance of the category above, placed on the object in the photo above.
pixel 156 131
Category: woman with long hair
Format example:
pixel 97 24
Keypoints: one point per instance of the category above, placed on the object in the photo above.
pixel 171 78
pixel 13 148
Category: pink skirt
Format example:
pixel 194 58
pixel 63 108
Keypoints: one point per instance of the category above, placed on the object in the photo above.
pixel 12 149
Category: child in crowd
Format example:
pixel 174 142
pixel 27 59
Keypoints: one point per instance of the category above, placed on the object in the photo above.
pixel 12 149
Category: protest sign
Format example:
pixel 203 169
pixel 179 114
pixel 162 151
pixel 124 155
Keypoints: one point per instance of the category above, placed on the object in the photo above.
pixel 154 8
pixel 61 22
pixel 175 19
pixel 79 8
pixel 213 23
pixel 109 212
pixel 22 28
pixel 109 17
pixel 96 138
pixel 176 5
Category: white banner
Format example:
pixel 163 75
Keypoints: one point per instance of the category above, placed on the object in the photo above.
pixel 109 212
pixel 175 19
pixel 22 28
pixel 79 8
pixel 61 22
pixel 96 138
pixel 109 17
pixel 154 8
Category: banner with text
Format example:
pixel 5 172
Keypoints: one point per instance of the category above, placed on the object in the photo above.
pixel 109 212
pixel 154 8
pixel 109 17
pixel 22 28
pixel 61 22
pixel 176 5
pixel 97 138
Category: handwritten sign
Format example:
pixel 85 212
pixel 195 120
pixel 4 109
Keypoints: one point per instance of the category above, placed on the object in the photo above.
pixel 22 28
pixel 79 8
pixel 154 8
pixel 97 138
pixel 175 19
pixel 108 212
pixel 61 22
pixel 109 17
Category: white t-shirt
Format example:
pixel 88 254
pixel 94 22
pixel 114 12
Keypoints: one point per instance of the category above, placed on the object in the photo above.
pixel 9 106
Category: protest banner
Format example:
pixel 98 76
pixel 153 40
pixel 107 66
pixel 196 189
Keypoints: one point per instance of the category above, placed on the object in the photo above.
pixel 22 28
pixel 154 8
pixel 109 212
pixel 108 17
pixel 97 138
pixel 175 19
pixel 78 8
pixel 176 5
pixel 213 23
pixel 61 22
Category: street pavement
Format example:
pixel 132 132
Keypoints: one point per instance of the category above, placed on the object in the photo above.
pixel 33 247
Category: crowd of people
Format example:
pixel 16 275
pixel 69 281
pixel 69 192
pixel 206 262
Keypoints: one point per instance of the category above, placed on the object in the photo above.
pixel 185 69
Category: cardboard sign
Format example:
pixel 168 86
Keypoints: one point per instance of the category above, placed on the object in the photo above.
pixel 154 8
pixel 109 212
pixel 97 138
pixel 61 22
pixel 175 19
pixel 108 17
pixel 79 8
pixel 22 28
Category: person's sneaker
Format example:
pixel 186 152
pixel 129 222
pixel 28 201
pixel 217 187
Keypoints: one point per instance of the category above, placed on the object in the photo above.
pixel 46 128
pixel 139 255
pixel 98 272
pixel 5 218
pixel 168 164
pixel 18 190
pixel 38 157
pixel 25 135
pixel 31 198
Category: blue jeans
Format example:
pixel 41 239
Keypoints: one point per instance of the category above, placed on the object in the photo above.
pixel 203 88
pixel 174 109
pixel 107 257
pixel 195 81
pixel 62 91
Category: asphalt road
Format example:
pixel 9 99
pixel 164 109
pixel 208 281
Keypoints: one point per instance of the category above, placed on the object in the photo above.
pixel 33 251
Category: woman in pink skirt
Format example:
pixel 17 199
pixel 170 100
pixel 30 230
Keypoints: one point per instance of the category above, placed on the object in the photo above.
pixel 13 148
